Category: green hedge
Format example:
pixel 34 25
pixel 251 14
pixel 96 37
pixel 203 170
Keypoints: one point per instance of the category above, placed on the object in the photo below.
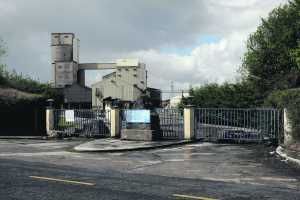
pixel 290 100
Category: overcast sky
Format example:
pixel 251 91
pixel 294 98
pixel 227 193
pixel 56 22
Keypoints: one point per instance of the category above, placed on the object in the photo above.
pixel 185 41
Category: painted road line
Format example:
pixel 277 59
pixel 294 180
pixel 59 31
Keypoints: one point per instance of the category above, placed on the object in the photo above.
pixel 192 197
pixel 62 180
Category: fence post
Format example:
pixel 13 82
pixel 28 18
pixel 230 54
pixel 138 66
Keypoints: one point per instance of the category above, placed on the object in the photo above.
pixel 50 122
pixel 189 123
pixel 115 122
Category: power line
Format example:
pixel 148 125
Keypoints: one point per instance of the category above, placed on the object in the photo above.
pixel 175 91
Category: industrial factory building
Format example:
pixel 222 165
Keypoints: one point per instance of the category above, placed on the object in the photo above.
pixel 127 84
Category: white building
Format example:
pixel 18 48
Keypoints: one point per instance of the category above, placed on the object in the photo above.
pixel 175 101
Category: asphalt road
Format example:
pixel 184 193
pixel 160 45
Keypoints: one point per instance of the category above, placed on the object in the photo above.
pixel 46 170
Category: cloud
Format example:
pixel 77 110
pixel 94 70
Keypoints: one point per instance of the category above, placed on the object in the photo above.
pixel 165 34
pixel 213 62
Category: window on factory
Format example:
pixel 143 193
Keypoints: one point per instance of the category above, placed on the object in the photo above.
pixel 56 36
pixel 135 69
pixel 66 36
pixel 135 75
pixel 59 66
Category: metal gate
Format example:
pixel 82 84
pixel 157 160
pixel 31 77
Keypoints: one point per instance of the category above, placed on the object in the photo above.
pixel 87 123
pixel 238 125
pixel 171 123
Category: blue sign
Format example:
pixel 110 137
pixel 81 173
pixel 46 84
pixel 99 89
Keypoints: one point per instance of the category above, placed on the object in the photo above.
pixel 137 116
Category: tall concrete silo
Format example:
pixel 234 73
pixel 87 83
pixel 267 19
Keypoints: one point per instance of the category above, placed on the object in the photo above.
pixel 64 59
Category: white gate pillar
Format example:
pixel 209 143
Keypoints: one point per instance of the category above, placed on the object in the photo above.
pixel 287 129
pixel 115 122
pixel 50 123
pixel 189 123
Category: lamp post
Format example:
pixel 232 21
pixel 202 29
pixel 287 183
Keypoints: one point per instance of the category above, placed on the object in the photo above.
pixel 50 103
pixel 189 101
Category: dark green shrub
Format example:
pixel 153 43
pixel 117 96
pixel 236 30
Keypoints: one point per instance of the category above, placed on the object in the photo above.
pixel 290 100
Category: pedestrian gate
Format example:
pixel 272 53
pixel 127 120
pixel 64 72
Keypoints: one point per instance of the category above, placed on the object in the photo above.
pixel 171 123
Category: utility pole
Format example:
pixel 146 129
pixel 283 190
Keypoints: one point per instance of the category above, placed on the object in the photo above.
pixel 172 89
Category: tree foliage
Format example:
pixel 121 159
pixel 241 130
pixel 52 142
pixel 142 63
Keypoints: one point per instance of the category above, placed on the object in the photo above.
pixel 2 66
pixel 290 100
pixel 272 60
pixel 271 63
pixel 227 95
pixel 12 79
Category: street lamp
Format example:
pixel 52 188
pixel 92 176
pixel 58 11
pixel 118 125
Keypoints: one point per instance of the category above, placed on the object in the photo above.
pixel 189 101
pixel 50 103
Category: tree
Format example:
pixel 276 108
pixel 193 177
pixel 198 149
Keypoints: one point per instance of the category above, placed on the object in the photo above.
pixel 227 95
pixel 272 59
pixel 2 66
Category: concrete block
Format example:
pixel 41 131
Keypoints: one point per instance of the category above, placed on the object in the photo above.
pixel 139 134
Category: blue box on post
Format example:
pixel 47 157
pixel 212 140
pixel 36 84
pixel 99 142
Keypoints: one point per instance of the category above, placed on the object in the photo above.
pixel 137 116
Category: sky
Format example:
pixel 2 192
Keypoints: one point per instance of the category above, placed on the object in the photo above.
pixel 191 42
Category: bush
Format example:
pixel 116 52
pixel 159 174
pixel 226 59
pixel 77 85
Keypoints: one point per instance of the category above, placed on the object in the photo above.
pixel 2 77
pixel 290 100
pixel 23 83
pixel 227 95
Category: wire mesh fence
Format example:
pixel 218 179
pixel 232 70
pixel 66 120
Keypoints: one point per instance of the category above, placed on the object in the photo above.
pixel 249 125
pixel 87 123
